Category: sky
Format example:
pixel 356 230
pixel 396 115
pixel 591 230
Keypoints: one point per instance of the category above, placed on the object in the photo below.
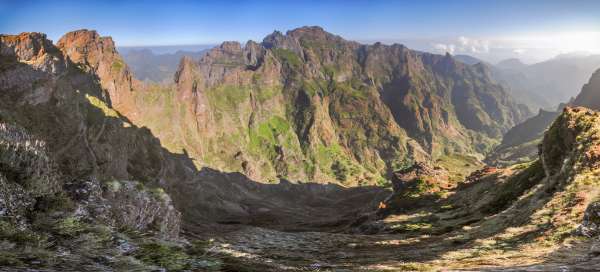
pixel 492 30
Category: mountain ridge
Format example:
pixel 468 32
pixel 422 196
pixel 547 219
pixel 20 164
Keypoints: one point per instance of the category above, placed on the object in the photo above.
pixel 323 60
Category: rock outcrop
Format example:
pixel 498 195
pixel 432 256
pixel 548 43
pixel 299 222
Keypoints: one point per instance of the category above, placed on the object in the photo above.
pixel 590 226
pixel 98 55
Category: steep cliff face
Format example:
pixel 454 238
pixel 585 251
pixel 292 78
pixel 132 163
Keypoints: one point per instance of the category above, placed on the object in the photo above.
pixel 98 55
pixel 309 105
pixel 76 176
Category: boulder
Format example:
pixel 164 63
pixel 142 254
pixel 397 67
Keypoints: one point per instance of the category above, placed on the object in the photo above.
pixel 590 227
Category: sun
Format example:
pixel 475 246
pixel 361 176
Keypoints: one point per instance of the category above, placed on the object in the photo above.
pixel 578 42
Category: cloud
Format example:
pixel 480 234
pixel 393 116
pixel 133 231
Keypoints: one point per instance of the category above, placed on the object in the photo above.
pixel 444 48
pixel 463 45
pixel 519 51
pixel 470 45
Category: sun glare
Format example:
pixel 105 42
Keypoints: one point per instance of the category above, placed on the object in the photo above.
pixel 578 42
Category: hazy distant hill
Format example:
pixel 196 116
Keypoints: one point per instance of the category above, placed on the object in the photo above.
pixel 550 82
pixel 520 143
pixel 511 64
pixel 157 67
pixel 466 59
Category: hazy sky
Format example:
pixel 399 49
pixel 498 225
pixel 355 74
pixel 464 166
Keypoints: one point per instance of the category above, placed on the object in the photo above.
pixel 492 30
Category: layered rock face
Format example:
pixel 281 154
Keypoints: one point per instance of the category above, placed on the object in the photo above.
pixel 309 105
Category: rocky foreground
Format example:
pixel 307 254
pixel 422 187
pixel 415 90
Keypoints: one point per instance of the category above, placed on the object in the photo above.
pixel 84 187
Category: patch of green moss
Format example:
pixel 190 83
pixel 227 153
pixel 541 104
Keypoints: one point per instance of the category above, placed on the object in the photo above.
pixel 113 185
pixel 287 57
pixel 172 258
pixel 69 227
pixel 9 259
pixel 266 93
pixel 159 193
pixel 333 161
pixel 410 227
pixel 21 237
pixel 96 102
pixel 117 65
pixel 227 98
pixel 350 91
pixel 264 137
pixel 458 165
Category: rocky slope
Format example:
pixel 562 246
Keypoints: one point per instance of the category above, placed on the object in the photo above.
pixel 80 185
pixel 309 105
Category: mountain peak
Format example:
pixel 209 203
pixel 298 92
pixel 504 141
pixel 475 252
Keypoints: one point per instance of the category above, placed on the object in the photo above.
pixel 86 46
pixel 99 54
pixel 308 30
pixel 513 63
pixel 26 45
pixel 33 48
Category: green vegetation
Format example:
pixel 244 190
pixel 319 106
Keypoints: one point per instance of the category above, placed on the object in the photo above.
pixel 266 93
pixel 412 227
pixel 271 138
pixel 288 57
pixel 458 165
pixel 172 258
pixel 96 102
pixel 176 258
pixel 333 161
pixel 227 98
pixel 117 65
pixel 69 226
pixel 24 237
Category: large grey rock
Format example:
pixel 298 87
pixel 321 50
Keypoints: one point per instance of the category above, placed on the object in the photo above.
pixel 590 226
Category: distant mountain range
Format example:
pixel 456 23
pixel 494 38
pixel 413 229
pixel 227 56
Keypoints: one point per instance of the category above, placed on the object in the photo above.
pixel 521 142
pixel 147 65
pixel 545 84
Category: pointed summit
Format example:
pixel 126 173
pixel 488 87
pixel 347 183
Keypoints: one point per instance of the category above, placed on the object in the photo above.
pixel 98 54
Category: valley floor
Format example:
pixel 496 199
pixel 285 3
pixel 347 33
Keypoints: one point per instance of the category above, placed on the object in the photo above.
pixel 470 228
pixel 260 249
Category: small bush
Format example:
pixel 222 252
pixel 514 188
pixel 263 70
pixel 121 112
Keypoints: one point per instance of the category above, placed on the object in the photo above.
pixel 169 257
